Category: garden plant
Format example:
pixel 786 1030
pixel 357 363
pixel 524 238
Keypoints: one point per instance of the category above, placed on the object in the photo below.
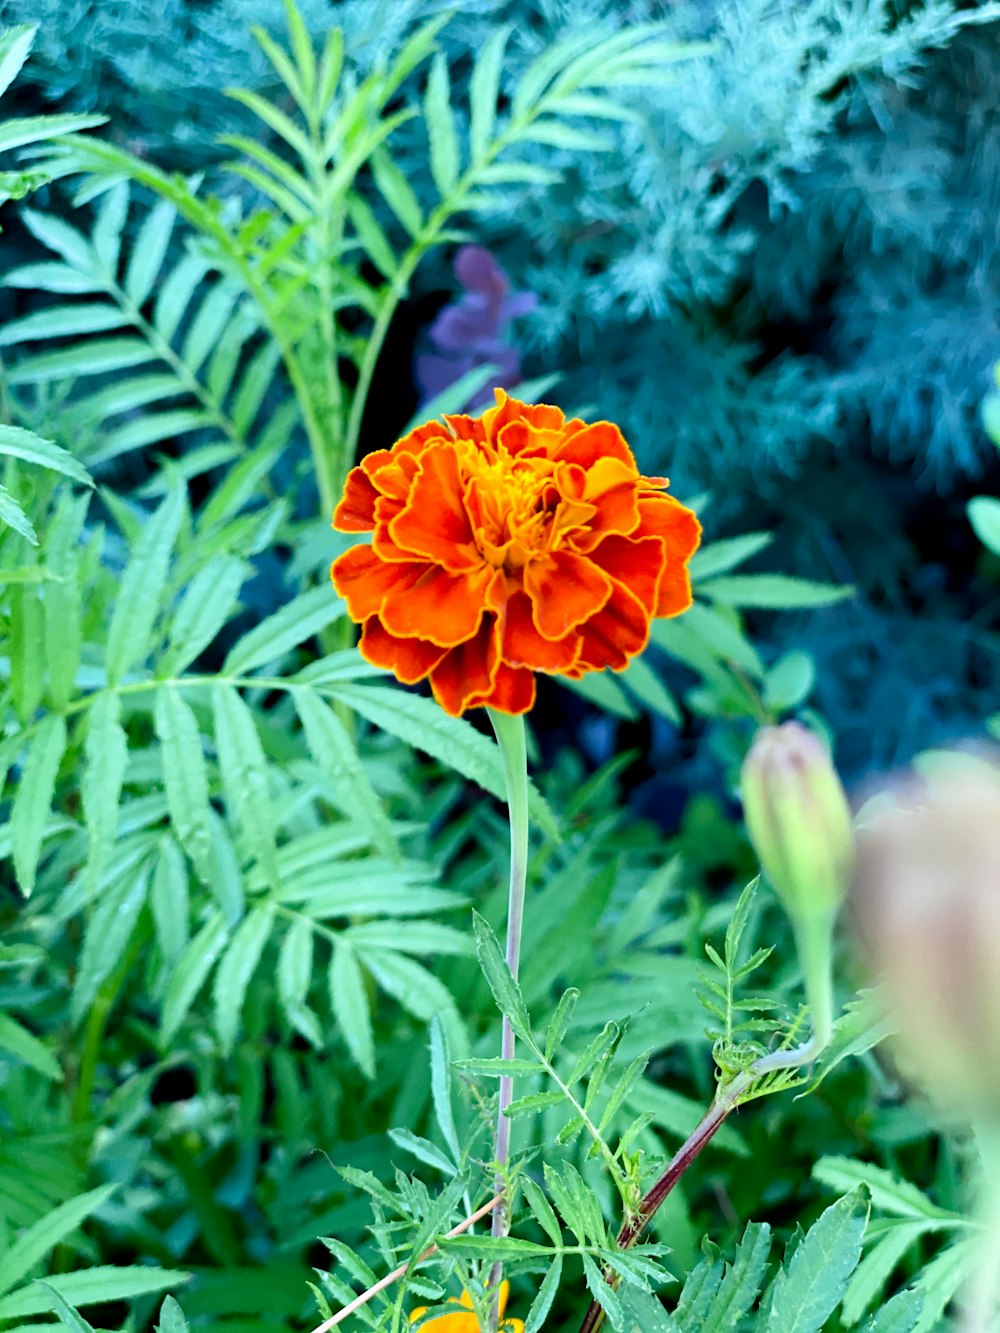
pixel 429 897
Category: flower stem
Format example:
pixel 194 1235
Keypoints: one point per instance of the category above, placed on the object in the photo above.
pixel 510 737
pixel 726 1100
pixel 814 942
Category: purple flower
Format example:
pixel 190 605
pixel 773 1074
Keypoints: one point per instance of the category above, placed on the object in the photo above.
pixel 473 330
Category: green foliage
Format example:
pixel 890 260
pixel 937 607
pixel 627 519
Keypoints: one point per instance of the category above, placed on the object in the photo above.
pixel 240 978
pixel 297 260
pixel 15 46
pixel 905 1217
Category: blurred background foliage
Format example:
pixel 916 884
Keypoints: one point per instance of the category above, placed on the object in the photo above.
pixel 775 266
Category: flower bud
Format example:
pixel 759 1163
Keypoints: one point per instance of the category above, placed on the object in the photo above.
pixel 798 819
pixel 928 907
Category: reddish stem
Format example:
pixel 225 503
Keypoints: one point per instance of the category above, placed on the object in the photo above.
pixel 702 1133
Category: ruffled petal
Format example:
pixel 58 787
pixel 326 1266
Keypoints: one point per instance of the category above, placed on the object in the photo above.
pixel 356 510
pixel 417 440
pixel 674 593
pixel 540 415
pixel 674 522
pixel 618 631
pixel 639 564
pixel 374 461
pixel 383 545
pixel 513 691
pixel 409 659
pixel 564 589
pixel 521 437
pixel 364 581
pixel 392 476
pixel 443 608
pixel 611 489
pixel 680 531
pixel 465 427
pixel 521 644
pixel 435 523
pixel 468 671
pixel 601 440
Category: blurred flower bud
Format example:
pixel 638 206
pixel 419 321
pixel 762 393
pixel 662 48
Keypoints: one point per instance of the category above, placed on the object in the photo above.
pixel 798 819
pixel 928 908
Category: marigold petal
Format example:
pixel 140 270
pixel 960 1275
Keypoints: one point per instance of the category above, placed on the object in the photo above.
pixel 513 691
pixel 459 1322
pixel 465 1304
pixel 611 489
pixel 618 631
pixel 565 589
pixel 465 427
pixel 540 415
pixel 521 644
pixel 356 510
pixel 570 480
pixel 674 522
pixel 601 440
pixel 434 522
pixel 522 438
pixel 409 659
pixel 416 440
pixel 441 607
pixel 375 460
pixel 446 1323
pixel 468 671
pixel 674 594
pixel 382 544
pixel 637 562
pixel 681 533
pixel 393 476
pixel 364 581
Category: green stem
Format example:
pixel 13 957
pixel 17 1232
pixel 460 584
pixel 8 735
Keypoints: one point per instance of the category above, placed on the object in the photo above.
pixel 97 1018
pixel 814 942
pixel 510 737
pixel 333 466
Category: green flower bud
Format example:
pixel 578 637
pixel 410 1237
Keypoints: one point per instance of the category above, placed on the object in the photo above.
pixel 798 820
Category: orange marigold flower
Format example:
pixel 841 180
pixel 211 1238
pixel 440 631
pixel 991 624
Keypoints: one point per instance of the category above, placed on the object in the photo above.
pixel 464 1320
pixel 507 544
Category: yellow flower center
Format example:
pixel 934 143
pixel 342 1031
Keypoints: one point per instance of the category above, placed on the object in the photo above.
pixel 518 510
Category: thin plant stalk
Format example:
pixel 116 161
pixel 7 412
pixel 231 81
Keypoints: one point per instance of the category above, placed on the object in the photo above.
pixel 510 737
pixel 814 943
pixel 727 1099
pixel 402 1270
pixel 814 939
